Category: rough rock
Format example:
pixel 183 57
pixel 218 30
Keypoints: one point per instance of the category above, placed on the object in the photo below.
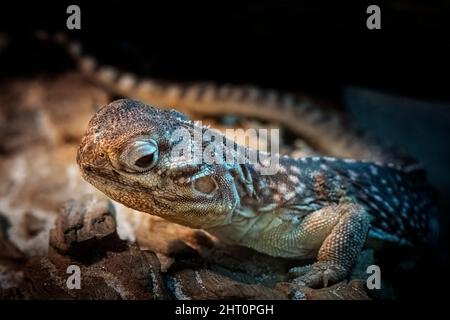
pixel 9 253
pixel 110 268
pixel 46 110
pixel 82 222
pixel 172 238
pixel 354 290
pixel 126 274
pixel 191 284
pixel 11 261
pixel 34 185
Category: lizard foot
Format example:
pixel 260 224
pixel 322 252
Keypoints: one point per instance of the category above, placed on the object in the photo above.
pixel 319 274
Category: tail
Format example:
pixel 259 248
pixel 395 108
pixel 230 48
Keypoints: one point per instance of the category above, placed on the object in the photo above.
pixel 325 129
pixel 428 205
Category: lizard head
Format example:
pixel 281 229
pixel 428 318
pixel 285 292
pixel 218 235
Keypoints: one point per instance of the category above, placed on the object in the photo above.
pixel 127 153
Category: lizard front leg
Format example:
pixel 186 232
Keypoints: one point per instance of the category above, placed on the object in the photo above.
pixel 340 248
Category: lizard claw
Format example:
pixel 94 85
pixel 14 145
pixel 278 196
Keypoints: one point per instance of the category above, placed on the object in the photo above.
pixel 319 274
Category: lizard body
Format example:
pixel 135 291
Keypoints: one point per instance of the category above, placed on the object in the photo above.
pixel 319 207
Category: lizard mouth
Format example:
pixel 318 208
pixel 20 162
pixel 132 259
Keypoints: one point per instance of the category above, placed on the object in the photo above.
pixel 185 175
pixel 200 179
pixel 104 177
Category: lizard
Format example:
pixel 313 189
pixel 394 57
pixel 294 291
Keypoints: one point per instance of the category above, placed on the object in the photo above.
pixel 324 208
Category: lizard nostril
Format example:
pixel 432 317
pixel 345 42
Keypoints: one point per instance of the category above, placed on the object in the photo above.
pixel 87 168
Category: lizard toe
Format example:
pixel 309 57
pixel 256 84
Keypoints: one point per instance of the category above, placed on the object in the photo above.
pixel 320 274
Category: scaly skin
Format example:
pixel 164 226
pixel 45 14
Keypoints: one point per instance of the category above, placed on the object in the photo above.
pixel 311 207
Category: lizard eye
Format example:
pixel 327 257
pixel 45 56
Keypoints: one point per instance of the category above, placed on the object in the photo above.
pixel 140 155
pixel 145 161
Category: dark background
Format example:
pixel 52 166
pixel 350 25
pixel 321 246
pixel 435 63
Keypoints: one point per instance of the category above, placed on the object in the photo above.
pixel 315 46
